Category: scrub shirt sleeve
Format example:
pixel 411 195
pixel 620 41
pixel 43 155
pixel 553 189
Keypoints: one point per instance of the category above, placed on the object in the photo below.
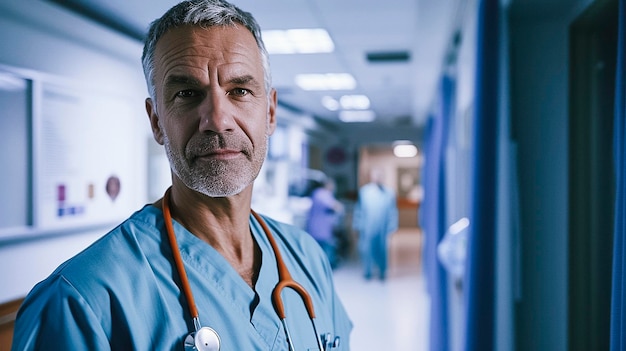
pixel 56 317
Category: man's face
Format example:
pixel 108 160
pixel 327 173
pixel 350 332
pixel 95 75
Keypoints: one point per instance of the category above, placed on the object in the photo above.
pixel 212 114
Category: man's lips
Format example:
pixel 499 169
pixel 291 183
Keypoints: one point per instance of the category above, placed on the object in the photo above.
pixel 221 154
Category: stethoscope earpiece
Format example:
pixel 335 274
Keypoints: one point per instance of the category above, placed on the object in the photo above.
pixel 205 339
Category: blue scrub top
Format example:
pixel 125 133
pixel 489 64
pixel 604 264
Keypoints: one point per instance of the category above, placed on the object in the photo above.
pixel 123 293
pixel 376 211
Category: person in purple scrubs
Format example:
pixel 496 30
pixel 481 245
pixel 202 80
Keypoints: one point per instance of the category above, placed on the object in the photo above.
pixel 323 216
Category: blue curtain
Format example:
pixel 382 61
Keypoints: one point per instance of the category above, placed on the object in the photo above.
pixel 434 213
pixel 479 274
pixel 618 311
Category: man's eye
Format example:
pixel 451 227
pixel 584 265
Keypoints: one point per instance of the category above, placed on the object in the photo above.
pixel 186 94
pixel 239 92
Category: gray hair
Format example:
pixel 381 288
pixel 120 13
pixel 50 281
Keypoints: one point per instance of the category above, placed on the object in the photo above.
pixel 203 13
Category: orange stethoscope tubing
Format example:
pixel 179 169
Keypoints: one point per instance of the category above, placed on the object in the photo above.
pixel 284 277
pixel 180 267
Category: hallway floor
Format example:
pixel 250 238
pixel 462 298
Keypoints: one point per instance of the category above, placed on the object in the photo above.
pixel 390 314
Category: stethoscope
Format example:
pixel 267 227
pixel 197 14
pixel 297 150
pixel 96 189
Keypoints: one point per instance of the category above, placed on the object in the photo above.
pixel 207 339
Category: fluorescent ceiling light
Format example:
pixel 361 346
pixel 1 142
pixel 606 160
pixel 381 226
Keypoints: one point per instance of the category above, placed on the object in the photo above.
pixel 346 102
pixel 357 116
pixel 298 41
pixel 405 150
pixel 330 103
pixel 326 81
pixel 354 102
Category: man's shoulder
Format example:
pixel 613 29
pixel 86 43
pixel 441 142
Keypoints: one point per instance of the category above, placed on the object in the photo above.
pixel 299 248
pixel 282 228
pixel 290 234
pixel 118 249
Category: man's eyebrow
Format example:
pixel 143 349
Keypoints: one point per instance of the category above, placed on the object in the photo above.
pixel 175 80
pixel 179 79
pixel 245 79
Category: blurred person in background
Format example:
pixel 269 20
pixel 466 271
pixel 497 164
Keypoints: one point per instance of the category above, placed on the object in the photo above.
pixel 375 218
pixel 323 216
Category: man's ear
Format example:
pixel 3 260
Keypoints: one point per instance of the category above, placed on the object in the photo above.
pixel 271 112
pixel 157 133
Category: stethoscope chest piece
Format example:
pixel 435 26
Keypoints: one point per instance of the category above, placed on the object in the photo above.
pixel 205 339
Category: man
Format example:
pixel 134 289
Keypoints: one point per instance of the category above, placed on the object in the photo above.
pixel 375 218
pixel 212 106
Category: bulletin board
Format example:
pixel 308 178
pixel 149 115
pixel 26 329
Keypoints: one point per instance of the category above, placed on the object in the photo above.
pixel 74 156
pixel 85 159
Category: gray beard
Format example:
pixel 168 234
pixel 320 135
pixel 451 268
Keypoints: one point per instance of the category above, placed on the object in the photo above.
pixel 216 178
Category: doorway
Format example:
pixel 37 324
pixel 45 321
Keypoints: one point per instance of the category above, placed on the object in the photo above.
pixel 593 52
pixel 400 173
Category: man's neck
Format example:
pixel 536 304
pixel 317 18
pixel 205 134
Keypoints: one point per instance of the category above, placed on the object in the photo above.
pixel 223 223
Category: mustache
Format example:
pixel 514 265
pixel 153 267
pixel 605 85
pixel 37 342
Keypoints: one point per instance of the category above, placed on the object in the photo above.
pixel 208 143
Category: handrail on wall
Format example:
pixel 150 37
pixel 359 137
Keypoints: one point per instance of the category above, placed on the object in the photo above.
pixel 8 313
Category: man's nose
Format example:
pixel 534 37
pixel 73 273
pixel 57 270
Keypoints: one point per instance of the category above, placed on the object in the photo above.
pixel 216 113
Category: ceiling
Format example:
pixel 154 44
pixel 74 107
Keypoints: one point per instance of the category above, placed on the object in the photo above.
pixel 400 92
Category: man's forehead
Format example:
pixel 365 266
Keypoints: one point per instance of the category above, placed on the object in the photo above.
pixel 193 47
pixel 218 35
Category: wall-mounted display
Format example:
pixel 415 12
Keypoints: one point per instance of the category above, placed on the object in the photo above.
pixel 73 155
pixel 84 160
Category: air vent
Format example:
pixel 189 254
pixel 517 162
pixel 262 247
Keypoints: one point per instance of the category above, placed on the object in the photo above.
pixel 388 56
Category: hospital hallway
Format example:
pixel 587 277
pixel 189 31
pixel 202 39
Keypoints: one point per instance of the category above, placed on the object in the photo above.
pixel 390 314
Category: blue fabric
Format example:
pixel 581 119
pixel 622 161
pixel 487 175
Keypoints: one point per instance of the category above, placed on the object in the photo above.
pixel 434 214
pixel 426 211
pixel 479 274
pixel 618 306
pixel 375 218
pixel 122 293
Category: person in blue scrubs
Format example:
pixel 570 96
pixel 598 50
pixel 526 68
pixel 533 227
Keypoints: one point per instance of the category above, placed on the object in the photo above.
pixel 213 108
pixel 375 218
